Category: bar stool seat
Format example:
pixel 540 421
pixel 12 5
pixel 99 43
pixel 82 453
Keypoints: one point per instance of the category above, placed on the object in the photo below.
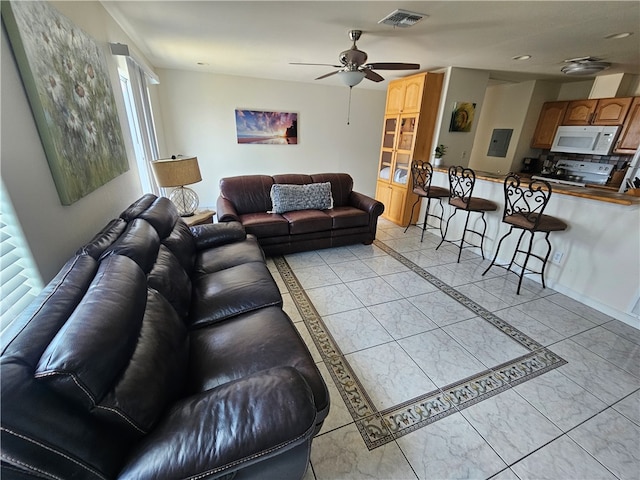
pixel 523 210
pixel 539 223
pixel 421 174
pixel 461 183
pixel 475 204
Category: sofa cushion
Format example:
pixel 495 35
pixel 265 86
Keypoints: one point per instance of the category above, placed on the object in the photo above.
pixel 138 207
pixel 293 178
pixel 171 280
pixel 232 291
pixel 182 245
pixel 262 224
pixel 154 376
pixel 97 341
pixel 121 353
pixel 230 255
pixel 341 186
pixel 289 197
pixel 348 217
pixel 307 221
pixel 28 336
pixel 104 238
pixel 163 215
pixel 211 235
pixel 219 353
pixel 213 433
pixel 139 242
pixel 249 193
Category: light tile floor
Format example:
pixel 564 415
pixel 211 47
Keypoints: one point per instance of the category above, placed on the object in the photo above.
pixel 404 337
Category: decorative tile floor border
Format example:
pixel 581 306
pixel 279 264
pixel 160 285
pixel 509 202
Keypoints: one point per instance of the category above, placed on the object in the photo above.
pixel 380 427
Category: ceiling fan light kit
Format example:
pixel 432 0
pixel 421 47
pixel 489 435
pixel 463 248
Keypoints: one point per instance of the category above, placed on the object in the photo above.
pixel 351 78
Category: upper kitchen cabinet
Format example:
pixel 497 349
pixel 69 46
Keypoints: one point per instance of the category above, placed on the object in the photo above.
pixel 407 134
pixel 629 139
pixel 604 111
pixel 550 118
pixel 404 95
pixel 579 112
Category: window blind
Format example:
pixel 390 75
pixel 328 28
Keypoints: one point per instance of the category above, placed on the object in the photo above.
pixel 20 281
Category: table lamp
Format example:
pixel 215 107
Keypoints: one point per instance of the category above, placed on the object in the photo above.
pixel 178 172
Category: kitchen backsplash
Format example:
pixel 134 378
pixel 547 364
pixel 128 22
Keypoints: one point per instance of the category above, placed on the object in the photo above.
pixel 619 161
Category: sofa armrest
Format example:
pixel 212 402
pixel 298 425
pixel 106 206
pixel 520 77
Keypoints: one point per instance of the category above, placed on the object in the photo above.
pixel 363 202
pixel 230 427
pixel 212 235
pixel 226 211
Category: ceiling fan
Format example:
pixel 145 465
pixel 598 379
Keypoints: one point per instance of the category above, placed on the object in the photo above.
pixel 353 67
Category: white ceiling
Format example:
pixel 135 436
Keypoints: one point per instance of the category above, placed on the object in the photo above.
pixel 260 38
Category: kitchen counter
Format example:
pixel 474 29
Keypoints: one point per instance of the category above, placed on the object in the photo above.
pixel 599 258
pixel 595 193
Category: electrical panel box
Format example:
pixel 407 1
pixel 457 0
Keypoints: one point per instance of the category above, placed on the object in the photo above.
pixel 499 142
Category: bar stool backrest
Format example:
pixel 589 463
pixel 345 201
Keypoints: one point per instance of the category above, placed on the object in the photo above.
pixel 421 173
pixel 523 206
pixel 461 183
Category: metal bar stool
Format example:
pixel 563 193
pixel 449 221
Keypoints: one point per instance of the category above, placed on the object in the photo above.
pixel 523 209
pixel 421 173
pixel 461 183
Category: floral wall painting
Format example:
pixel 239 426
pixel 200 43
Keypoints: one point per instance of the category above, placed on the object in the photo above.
pixel 462 117
pixel 254 126
pixel 69 89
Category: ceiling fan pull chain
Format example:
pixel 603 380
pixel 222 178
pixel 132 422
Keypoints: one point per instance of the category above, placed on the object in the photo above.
pixel 349 111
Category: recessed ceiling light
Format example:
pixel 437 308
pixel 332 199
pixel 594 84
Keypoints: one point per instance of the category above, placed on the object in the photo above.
pixel 521 57
pixel 618 35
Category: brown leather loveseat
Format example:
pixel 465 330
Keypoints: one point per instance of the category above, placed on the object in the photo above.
pixel 295 212
pixel 159 351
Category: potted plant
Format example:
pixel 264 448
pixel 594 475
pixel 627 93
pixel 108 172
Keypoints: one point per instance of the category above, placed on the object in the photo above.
pixel 441 151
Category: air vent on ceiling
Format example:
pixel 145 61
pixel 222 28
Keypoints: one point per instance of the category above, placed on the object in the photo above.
pixel 402 18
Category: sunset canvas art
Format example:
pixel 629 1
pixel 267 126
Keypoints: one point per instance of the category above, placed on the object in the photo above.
pixel 276 128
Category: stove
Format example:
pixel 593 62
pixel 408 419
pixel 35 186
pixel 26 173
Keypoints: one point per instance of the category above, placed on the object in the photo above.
pixel 577 173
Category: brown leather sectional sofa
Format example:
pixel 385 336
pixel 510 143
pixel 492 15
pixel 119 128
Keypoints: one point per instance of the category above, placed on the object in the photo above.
pixel 247 199
pixel 159 351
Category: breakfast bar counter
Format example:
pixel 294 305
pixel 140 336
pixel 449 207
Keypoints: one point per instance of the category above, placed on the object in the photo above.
pixel 592 193
pixel 597 259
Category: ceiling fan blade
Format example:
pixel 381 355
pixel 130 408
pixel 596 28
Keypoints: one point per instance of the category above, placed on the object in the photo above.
pixel 327 75
pixel 371 75
pixel 319 64
pixel 393 66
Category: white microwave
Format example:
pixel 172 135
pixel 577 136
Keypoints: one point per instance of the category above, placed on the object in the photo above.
pixel 589 140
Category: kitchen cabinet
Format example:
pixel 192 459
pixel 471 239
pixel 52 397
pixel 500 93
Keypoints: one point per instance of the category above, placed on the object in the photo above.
pixel 629 139
pixel 604 111
pixel 579 112
pixel 408 126
pixel 611 111
pixel 404 95
pixel 550 118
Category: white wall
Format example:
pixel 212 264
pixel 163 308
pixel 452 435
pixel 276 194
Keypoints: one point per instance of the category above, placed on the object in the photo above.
pixel 54 231
pixel 505 107
pixel 460 85
pixel 574 90
pixel 199 119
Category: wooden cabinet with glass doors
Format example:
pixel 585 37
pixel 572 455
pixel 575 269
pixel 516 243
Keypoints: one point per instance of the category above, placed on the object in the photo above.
pixel 407 134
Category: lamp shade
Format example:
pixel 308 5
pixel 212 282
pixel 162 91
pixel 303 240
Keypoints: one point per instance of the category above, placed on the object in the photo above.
pixel 351 78
pixel 176 172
